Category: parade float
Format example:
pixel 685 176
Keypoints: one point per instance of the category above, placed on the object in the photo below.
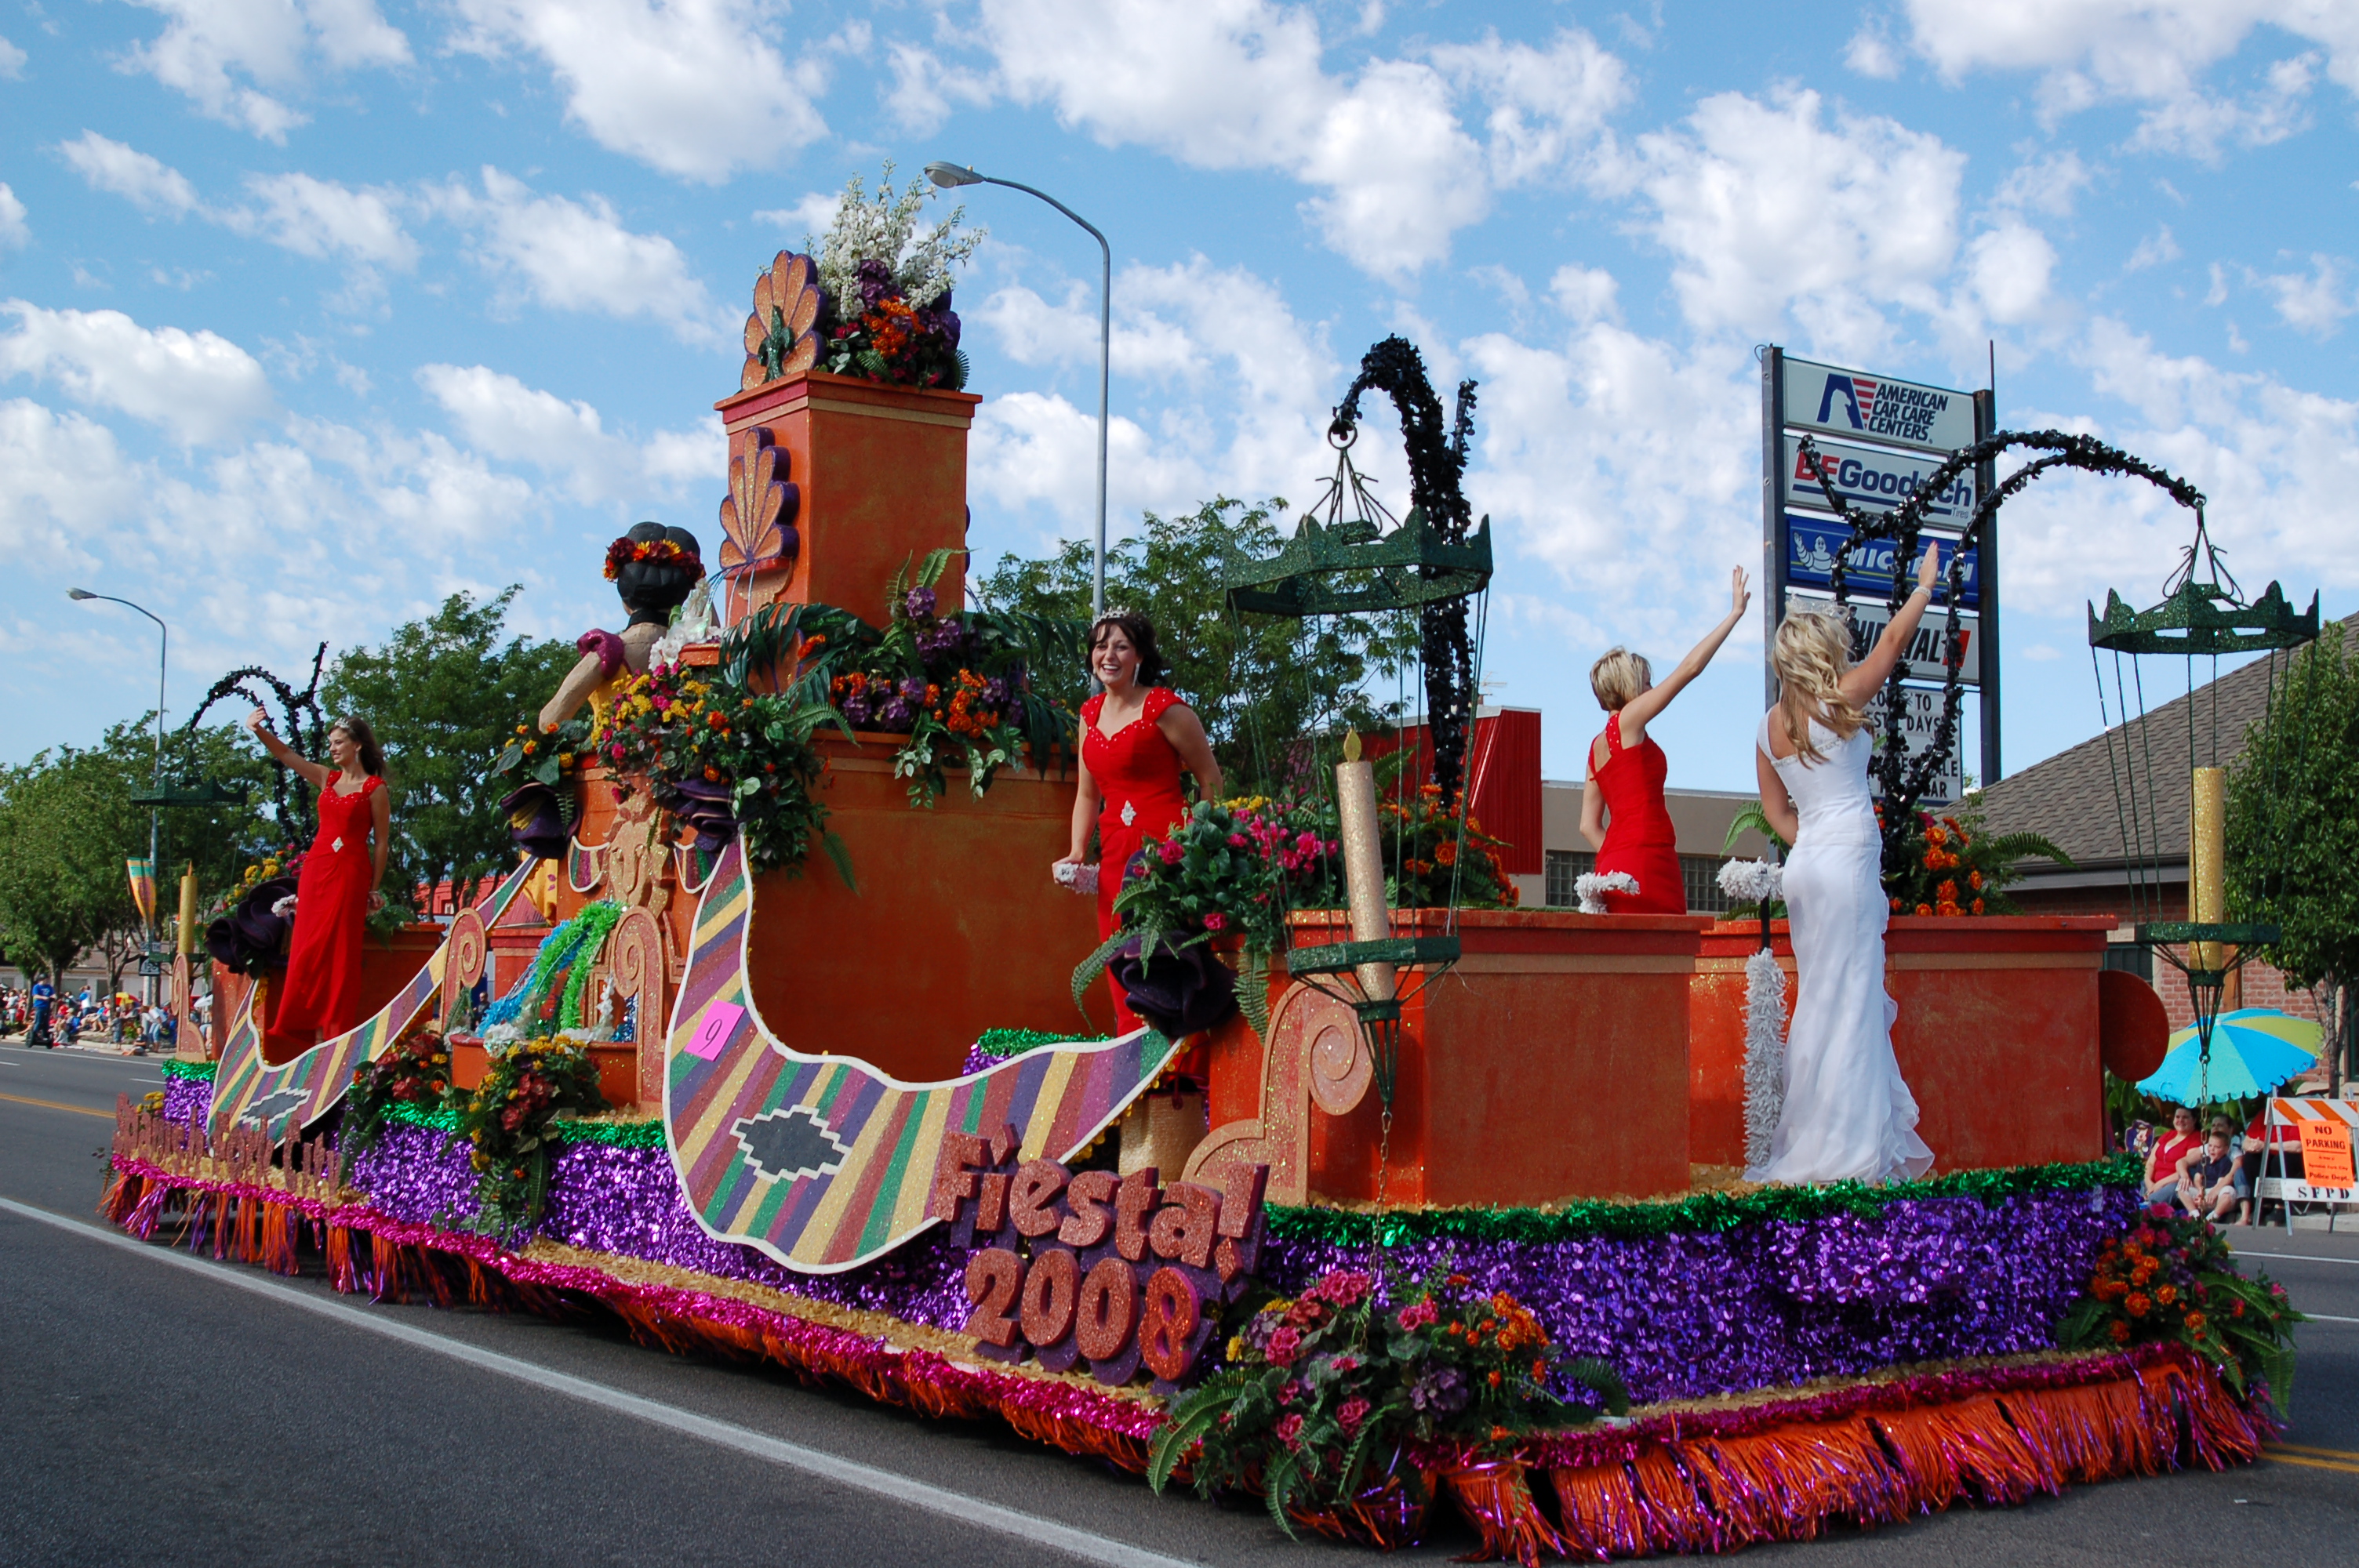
pixel 769 1046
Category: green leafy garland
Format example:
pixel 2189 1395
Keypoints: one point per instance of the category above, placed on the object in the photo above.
pixel 999 1045
pixel 202 1071
pixel 1586 1218
pixel 552 993
pixel 1322 1390
pixel 647 1134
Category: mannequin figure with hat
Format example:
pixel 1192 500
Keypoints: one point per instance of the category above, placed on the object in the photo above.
pixel 654 569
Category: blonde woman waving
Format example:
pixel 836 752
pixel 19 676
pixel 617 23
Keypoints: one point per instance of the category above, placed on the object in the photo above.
pixel 1847 1114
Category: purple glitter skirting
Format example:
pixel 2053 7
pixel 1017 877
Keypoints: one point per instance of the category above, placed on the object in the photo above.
pixel 1683 1315
pixel 187 1100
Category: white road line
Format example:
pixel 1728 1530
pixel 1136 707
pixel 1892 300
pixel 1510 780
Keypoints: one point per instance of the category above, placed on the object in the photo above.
pixel 2328 1317
pixel 886 1484
pixel 2295 1257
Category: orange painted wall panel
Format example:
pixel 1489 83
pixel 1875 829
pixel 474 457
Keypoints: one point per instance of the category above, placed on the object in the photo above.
pixel 1997 1036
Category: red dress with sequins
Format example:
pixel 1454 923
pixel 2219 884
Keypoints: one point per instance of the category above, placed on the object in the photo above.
pixel 1137 773
pixel 1639 837
pixel 322 992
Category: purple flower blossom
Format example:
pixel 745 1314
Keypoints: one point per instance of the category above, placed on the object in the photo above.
pixel 919 604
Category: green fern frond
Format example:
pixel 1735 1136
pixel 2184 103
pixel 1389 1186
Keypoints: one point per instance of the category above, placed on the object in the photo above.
pixel 1086 972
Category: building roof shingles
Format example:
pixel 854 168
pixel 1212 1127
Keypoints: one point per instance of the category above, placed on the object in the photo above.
pixel 2076 798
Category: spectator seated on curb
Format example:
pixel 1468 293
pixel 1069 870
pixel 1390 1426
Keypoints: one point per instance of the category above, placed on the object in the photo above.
pixel 2207 1176
pixel 2169 1148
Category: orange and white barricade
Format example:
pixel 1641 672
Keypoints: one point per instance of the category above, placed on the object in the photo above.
pixel 2324 1132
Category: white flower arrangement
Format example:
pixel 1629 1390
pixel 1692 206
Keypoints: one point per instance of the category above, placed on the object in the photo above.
pixel 1752 881
pixel 284 908
pixel 499 1037
pixel 1591 887
pixel 879 228
pixel 1764 1051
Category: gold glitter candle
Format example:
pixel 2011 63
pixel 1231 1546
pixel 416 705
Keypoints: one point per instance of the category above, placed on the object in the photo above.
pixel 2207 861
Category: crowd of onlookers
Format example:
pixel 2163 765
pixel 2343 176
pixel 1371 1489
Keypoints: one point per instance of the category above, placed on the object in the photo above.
pixel 44 1018
pixel 2213 1169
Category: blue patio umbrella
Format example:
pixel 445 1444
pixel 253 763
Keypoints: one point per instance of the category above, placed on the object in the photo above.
pixel 2250 1056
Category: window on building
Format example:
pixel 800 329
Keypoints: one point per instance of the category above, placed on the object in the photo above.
pixel 1562 868
pixel 1700 873
pixel 2136 957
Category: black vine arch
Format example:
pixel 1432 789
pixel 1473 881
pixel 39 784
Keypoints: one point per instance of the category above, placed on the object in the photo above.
pixel 307 729
pixel 1904 780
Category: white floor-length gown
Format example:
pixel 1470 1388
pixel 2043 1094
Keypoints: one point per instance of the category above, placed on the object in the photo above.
pixel 1848 1114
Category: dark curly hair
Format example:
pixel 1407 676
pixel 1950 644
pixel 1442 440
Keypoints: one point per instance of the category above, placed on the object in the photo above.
pixel 1141 632
pixel 652 590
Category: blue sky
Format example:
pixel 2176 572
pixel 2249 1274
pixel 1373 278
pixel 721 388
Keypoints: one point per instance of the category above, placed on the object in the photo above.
pixel 312 312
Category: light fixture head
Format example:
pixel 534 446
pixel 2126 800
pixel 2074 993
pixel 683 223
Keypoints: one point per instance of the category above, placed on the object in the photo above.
pixel 949 175
pixel 79 593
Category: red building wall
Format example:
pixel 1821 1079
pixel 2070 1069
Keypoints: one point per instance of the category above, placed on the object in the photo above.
pixel 1503 777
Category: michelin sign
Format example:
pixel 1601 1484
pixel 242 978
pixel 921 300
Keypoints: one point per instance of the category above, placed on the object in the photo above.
pixel 1847 402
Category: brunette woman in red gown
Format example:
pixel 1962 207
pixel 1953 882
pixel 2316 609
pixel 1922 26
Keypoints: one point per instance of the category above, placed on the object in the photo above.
pixel 338 885
pixel 1627 770
pixel 1136 737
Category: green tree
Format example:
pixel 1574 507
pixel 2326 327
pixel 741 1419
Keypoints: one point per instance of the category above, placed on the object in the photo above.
pixel 1259 682
pixel 67 826
pixel 444 695
pixel 2293 819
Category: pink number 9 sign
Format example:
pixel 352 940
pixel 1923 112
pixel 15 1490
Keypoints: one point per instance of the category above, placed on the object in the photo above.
pixel 713 1032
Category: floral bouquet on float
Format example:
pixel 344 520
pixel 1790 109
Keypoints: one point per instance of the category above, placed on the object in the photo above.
pixel 1954 867
pixel 2174 1277
pixel 414 1072
pixel 506 1123
pixel 1437 856
pixel 958 684
pixel 1326 1396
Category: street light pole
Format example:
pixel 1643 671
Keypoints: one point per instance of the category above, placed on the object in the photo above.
pixel 949 175
pixel 155 777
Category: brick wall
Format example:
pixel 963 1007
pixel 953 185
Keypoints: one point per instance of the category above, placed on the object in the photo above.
pixel 2260 985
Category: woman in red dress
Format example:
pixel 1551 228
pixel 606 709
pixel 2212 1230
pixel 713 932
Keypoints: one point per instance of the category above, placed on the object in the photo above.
pixel 1136 737
pixel 1627 770
pixel 338 885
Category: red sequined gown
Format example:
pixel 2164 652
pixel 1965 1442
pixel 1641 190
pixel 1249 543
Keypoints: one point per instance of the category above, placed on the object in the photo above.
pixel 1137 773
pixel 322 990
pixel 1639 837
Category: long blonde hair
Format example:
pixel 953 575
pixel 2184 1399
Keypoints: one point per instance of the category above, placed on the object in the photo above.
pixel 1810 653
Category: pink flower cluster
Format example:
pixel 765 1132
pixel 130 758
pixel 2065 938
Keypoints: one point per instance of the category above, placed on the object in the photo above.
pixel 1417 1315
pixel 1342 1287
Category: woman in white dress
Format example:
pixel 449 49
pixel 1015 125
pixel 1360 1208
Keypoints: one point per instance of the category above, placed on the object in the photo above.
pixel 1848 1114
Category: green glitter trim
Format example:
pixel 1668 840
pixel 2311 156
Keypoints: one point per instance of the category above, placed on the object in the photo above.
pixel 202 1072
pixel 1588 1218
pixel 614 1134
pixel 1002 1044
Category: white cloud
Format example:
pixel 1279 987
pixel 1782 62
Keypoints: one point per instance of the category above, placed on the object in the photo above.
pixel 321 217
pixel 1547 105
pixel 14 233
pixel 695 88
pixel 1870 52
pixel 1765 209
pixel 1226 84
pixel 1586 294
pixel 806 220
pixel 12 60
pixel 147 183
pixel 2315 301
pixel 58 473
pixel 2010 268
pixel 575 257
pixel 2278 466
pixel 197 387
pixel 2153 251
pixel 2046 185
pixel 501 418
pixel 924 90
pixel 207 45
pixel 2154 52
pixel 1629 465
pixel 1260 383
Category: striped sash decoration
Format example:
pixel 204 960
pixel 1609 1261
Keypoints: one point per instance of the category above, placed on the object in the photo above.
pixel 249 1092
pixel 823 1161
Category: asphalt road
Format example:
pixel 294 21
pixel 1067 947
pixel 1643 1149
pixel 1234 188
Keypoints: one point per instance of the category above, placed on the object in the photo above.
pixel 158 1408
